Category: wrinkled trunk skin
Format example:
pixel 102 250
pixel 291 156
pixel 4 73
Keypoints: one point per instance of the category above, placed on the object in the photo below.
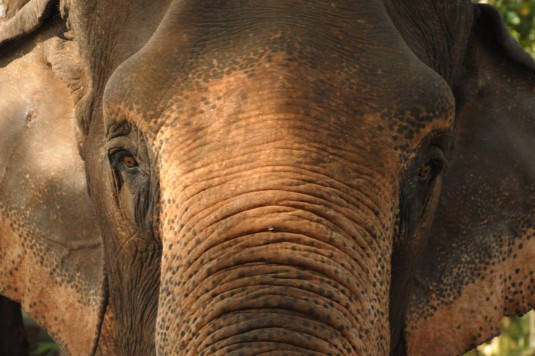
pixel 275 267
pixel 276 246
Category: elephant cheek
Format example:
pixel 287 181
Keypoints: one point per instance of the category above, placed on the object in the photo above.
pixel 465 315
pixel 258 275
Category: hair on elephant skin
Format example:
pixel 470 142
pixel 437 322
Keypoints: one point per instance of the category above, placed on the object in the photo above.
pixel 284 177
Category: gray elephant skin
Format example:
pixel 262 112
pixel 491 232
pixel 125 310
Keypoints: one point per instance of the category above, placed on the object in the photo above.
pixel 279 177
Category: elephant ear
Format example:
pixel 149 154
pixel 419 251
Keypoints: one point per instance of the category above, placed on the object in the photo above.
pixel 21 17
pixel 51 260
pixel 480 259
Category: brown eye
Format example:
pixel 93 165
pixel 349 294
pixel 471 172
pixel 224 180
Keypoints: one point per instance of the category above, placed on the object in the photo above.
pixel 129 161
pixel 426 171
pixel 430 170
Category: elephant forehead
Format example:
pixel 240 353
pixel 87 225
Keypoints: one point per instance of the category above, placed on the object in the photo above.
pixel 346 102
pixel 342 62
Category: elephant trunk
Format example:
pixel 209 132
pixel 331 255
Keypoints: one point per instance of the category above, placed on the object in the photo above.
pixel 273 263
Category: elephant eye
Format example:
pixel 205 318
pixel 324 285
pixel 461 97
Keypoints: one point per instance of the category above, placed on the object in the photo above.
pixel 129 161
pixel 124 159
pixel 430 170
pixel 426 171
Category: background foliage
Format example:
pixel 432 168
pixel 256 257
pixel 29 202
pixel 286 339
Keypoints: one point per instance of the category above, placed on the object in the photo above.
pixel 519 15
pixel 517 339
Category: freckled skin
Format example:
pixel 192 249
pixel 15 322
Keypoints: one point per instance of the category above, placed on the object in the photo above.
pixel 50 249
pixel 287 159
pixel 484 219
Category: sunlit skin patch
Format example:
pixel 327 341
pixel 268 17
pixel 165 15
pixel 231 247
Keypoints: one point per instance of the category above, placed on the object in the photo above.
pixel 473 317
pixel 59 304
pixel 49 240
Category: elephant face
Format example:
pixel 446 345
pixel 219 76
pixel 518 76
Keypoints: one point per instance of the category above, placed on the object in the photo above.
pixel 265 179
pixel 268 178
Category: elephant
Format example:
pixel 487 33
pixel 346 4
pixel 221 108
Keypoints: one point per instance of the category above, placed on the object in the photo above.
pixel 304 177
pixel 51 258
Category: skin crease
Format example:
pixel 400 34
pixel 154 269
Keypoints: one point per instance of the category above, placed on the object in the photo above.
pixel 50 250
pixel 276 203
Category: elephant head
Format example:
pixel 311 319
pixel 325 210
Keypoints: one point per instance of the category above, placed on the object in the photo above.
pixel 267 176
pixel 50 246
